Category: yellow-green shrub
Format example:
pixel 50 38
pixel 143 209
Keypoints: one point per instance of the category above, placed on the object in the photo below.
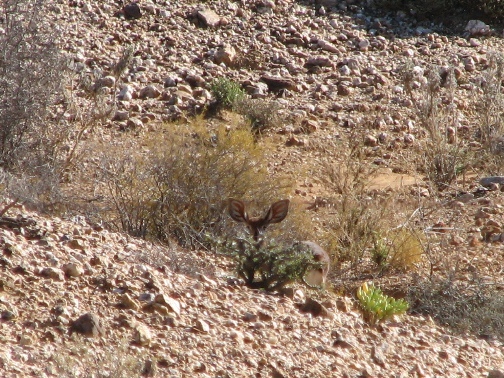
pixel 406 249
pixel 178 184
pixel 401 250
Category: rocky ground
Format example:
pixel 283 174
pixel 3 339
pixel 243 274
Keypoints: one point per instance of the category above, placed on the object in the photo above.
pixel 78 300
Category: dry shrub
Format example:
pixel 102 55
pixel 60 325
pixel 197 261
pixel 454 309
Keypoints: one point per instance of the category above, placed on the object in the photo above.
pixel 355 215
pixel 251 59
pixel 445 155
pixel 420 8
pixel 432 92
pixel 492 160
pixel 299 225
pixel 262 114
pixel 40 191
pixel 400 250
pixel 444 11
pixel 96 101
pixel 491 8
pixel 80 360
pixel 177 186
pixel 31 80
pixel 443 163
pixel 132 205
pixel 361 229
pixel 43 115
pixel 456 291
pixel 465 306
pixel 33 74
pixel 489 103
pixel 351 231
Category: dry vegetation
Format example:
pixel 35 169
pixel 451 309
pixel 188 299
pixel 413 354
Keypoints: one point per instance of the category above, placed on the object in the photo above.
pixel 175 182
pixel 171 183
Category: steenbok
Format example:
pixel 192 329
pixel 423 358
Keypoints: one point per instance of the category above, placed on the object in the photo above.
pixel 275 214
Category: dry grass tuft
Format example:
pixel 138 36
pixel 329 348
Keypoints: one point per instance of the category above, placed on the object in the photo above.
pixel 404 249
pixel 80 360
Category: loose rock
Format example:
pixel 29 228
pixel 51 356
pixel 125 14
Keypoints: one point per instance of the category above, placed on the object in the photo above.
pixel 87 324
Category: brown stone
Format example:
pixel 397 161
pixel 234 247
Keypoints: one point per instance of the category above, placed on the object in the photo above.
pixel 87 324
pixel 208 17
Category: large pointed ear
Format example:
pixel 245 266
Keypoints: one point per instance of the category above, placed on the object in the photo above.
pixel 277 212
pixel 237 210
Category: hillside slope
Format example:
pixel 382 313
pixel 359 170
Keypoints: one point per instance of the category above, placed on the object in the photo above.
pixel 144 312
pixel 78 300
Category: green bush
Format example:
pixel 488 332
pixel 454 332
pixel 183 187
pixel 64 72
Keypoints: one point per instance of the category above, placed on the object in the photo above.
pixel 262 114
pixel 271 267
pixel 380 252
pixel 378 306
pixel 227 93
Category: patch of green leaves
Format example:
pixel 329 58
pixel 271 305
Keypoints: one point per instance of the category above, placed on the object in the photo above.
pixel 227 93
pixel 380 252
pixel 378 306
pixel 271 267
